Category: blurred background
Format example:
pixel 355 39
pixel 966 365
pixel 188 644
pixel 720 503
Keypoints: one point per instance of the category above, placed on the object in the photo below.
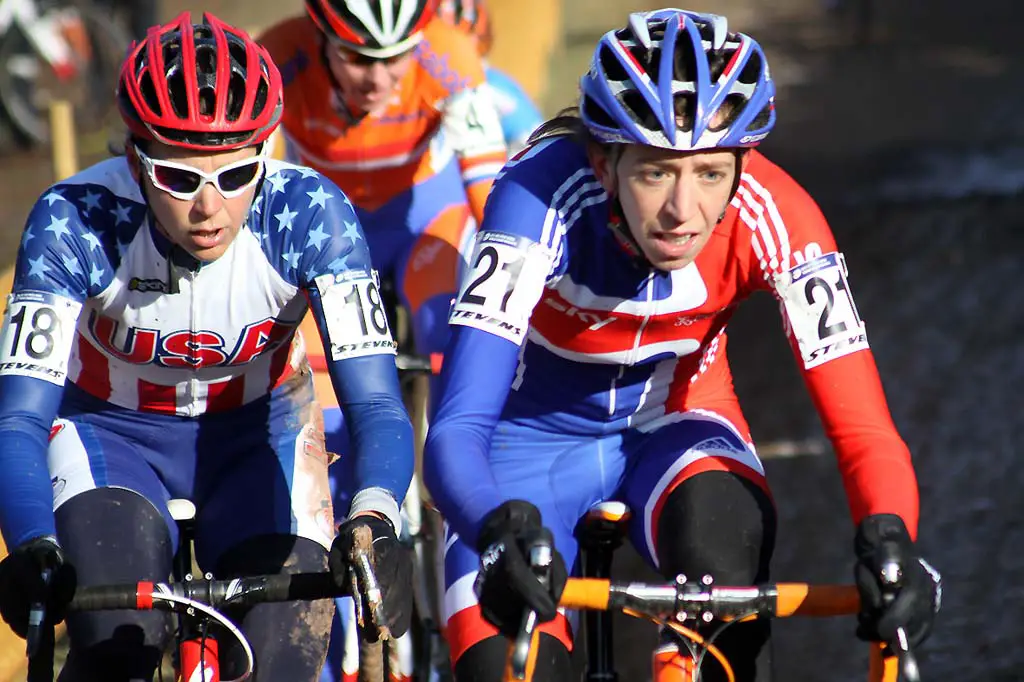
pixel 903 119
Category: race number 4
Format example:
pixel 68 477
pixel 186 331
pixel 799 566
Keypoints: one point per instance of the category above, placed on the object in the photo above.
pixel 37 334
pixel 502 285
pixel 820 309
pixel 357 323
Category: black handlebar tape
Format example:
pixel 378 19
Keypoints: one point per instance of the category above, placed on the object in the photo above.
pixel 294 587
pixel 107 598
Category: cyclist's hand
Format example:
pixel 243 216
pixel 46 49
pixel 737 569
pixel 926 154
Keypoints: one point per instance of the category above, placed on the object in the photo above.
pixel 22 584
pixel 507 586
pixel 908 599
pixel 392 566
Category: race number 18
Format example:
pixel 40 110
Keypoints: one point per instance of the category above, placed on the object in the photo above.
pixel 37 333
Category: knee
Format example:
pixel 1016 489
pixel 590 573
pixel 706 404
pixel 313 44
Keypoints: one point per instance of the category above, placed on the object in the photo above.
pixel 717 523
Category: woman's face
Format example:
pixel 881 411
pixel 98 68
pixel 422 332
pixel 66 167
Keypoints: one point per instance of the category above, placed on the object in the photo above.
pixel 671 200
pixel 206 223
pixel 366 83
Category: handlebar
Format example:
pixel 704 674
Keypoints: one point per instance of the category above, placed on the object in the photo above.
pixel 682 601
pixel 144 596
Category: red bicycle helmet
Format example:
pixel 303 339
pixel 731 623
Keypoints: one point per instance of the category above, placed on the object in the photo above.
pixel 470 16
pixel 375 28
pixel 202 86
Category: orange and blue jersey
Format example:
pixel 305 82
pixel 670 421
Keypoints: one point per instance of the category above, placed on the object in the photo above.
pixel 439 111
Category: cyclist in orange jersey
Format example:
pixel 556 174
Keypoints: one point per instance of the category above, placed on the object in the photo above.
pixel 391 106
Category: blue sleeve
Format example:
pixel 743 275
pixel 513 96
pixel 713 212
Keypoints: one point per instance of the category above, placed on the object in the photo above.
pixel 474 383
pixel 59 253
pixel 27 409
pixel 379 428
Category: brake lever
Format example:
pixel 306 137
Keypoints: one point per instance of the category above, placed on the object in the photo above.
pixel 540 561
pixel 892 575
pixel 362 560
pixel 36 619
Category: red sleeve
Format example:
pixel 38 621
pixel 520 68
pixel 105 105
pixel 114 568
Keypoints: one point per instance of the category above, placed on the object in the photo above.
pixel 796 258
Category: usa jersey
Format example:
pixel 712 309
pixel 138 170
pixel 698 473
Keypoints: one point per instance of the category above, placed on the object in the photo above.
pixel 102 300
pixel 440 110
pixel 557 327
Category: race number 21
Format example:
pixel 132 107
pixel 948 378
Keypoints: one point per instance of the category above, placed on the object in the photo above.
pixel 38 330
pixel 820 309
pixel 503 282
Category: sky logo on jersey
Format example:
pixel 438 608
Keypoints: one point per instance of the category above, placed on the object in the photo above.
pixel 186 348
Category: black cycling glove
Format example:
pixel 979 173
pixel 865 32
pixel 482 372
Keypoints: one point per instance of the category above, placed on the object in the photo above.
pixel 22 584
pixel 897 587
pixel 392 566
pixel 507 585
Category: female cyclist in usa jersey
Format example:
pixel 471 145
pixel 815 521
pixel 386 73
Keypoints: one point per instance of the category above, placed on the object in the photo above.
pixel 587 359
pixel 148 352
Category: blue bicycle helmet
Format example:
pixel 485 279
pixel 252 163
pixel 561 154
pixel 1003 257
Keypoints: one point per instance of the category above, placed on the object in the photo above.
pixel 678 80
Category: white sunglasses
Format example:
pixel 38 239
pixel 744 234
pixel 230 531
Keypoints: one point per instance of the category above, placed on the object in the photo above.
pixel 184 182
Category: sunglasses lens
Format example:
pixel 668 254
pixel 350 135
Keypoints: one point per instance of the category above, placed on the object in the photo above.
pixel 175 179
pixel 237 178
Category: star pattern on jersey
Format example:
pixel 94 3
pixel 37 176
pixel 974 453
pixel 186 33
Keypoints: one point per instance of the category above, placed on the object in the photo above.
pixel 96 275
pixel 257 206
pixel 285 218
pixel 90 201
pixel 317 237
pixel 277 181
pixel 121 213
pixel 58 226
pixel 73 235
pixel 37 267
pixel 52 196
pixel 318 197
pixel 352 231
pixel 72 265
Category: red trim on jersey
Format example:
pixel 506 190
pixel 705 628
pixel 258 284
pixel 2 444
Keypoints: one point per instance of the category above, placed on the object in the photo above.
pixel 94 378
pixel 157 398
pixel 225 395
pixel 708 463
pixel 468 627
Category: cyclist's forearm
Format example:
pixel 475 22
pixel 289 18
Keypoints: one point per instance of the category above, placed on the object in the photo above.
pixel 475 382
pixel 378 424
pixel 27 407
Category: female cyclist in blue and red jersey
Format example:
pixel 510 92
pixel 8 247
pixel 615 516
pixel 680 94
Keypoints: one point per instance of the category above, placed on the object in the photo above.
pixel 148 351
pixel 587 359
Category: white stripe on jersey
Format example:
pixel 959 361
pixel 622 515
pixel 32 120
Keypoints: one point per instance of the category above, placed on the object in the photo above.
pixel 689 291
pixel 780 226
pixel 628 356
pixel 68 462
pixel 770 239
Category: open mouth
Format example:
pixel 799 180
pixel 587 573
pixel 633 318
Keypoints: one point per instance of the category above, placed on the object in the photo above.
pixel 207 239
